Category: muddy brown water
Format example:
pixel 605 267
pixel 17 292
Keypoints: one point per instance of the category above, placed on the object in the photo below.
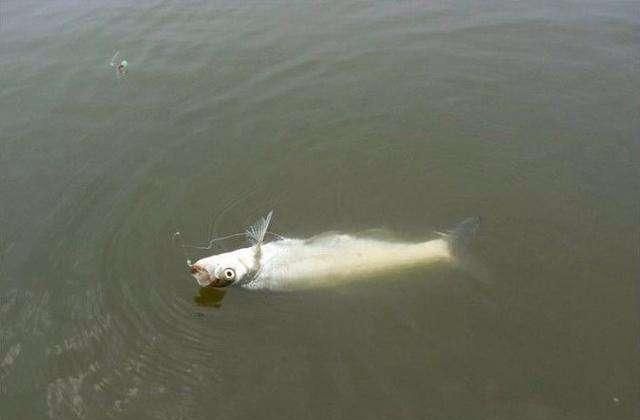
pixel 339 115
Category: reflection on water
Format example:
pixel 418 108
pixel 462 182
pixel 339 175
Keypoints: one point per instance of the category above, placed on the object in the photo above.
pixel 209 297
pixel 341 115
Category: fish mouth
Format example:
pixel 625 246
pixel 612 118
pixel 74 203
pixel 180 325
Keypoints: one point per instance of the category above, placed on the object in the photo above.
pixel 201 275
pixel 205 279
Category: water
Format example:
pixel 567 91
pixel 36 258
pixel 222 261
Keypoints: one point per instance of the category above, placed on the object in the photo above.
pixel 339 115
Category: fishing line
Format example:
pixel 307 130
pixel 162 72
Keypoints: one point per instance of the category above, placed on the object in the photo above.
pixel 229 206
pixel 212 242
pixel 178 237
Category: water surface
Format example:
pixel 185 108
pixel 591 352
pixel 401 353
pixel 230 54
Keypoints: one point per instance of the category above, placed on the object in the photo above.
pixel 339 115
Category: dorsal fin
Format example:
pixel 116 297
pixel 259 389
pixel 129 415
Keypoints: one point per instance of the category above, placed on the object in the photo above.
pixel 258 230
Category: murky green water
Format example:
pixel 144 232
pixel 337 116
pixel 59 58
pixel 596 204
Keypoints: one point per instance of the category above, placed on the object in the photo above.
pixel 341 115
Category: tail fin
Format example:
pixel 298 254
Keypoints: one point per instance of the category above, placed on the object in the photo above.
pixel 458 240
pixel 459 237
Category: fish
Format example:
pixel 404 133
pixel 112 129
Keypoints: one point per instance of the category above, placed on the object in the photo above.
pixel 327 259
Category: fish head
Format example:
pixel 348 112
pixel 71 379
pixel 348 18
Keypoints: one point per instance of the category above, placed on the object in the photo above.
pixel 221 270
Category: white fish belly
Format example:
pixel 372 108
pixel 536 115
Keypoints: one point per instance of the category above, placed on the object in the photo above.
pixel 292 264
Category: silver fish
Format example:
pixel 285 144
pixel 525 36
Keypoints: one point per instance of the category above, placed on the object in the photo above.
pixel 327 259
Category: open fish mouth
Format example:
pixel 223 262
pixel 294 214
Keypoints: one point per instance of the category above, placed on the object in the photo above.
pixel 205 279
pixel 201 275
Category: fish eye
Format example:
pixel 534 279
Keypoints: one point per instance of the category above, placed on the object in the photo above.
pixel 229 274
